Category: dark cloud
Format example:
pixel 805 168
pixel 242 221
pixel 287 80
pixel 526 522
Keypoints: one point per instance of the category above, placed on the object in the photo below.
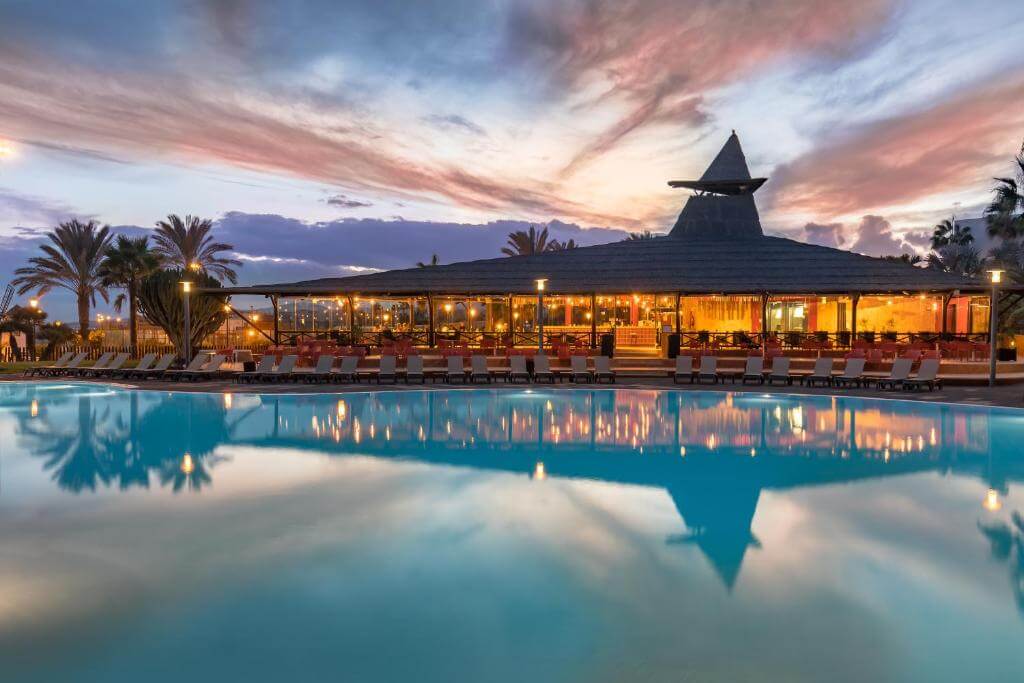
pixel 830 235
pixel 344 202
pixel 34 210
pixel 454 122
pixel 876 238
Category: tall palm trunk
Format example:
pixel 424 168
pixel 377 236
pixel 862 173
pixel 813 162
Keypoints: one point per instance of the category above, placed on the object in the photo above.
pixel 83 316
pixel 133 319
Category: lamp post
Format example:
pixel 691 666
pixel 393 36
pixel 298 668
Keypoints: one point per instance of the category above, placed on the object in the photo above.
pixel 186 289
pixel 33 304
pixel 541 283
pixel 995 276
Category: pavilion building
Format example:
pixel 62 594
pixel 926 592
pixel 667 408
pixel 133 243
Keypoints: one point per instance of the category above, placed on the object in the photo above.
pixel 714 278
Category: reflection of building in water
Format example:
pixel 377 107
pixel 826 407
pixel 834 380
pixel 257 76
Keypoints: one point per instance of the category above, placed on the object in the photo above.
pixel 712 452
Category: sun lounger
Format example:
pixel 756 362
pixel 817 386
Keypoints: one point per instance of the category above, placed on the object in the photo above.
pixel 853 373
pixel 517 369
pixel 542 368
pixel 603 369
pixel 387 370
pixel 100 363
pixel 348 370
pixel 899 374
pixel 822 373
pixel 684 368
pixel 579 369
pixel 265 366
pixel 208 370
pixel 754 370
pixel 51 371
pixel 114 366
pixel 60 364
pixel 144 364
pixel 414 370
pixel 321 372
pixel 284 370
pixel 780 370
pixel 478 369
pixel 157 371
pixel 456 370
pixel 708 369
pixel 197 362
pixel 927 376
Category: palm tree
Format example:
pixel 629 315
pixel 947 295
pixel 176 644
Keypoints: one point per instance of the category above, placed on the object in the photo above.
pixel 524 243
pixel 909 259
pixel 71 261
pixel 642 235
pixel 188 244
pixel 555 245
pixel 1005 214
pixel 961 259
pixel 125 264
pixel 949 232
pixel 432 262
pixel 23 320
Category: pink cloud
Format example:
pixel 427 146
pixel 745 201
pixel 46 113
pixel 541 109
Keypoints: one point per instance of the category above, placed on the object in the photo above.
pixel 957 144
pixel 661 56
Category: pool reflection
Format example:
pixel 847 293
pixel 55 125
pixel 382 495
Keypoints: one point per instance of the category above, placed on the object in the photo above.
pixel 713 453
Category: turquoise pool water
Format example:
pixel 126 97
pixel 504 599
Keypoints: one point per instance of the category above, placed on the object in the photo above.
pixel 560 535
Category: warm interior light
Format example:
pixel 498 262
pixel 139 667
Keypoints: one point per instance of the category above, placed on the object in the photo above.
pixel 589 316
pixel 798 312
pixel 472 313
pixel 447 308
pixel 255 317
pixel 992 502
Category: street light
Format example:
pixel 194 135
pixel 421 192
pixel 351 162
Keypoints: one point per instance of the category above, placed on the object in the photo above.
pixel 186 289
pixel 541 286
pixel 995 276
pixel 33 303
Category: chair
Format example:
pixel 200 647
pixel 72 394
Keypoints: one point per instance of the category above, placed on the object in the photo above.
pixel 899 374
pixel 157 370
pixel 58 365
pixel 517 369
pixel 71 364
pixel 708 369
pixel 284 370
pixel 927 376
pixel 414 369
pixel 754 370
pixel 321 371
pixel 144 364
pixel 100 363
pixel 197 362
pixel 684 368
pixel 348 370
pixel 456 369
pixel 542 368
pixel 603 369
pixel 114 366
pixel 853 373
pixel 387 369
pixel 265 365
pixel 478 369
pixel 780 370
pixel 578 369
pixel 822 373
pixel 209 369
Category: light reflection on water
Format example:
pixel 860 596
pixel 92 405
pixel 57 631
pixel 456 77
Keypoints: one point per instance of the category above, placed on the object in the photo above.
pixel 503 535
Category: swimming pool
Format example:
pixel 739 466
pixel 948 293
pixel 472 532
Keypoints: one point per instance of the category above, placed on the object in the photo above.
pixel 560 535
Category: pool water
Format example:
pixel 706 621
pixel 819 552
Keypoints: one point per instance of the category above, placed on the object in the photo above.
pixel 561 535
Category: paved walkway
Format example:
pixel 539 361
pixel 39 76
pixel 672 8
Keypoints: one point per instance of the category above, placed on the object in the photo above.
pixel 1011 396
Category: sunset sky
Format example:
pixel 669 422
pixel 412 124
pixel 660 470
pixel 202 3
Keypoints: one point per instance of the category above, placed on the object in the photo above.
pixel 442 123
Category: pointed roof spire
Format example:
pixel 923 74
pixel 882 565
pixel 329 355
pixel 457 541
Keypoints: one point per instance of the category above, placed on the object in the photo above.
pixel 728 173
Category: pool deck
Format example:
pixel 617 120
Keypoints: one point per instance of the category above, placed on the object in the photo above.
pixel 1002 395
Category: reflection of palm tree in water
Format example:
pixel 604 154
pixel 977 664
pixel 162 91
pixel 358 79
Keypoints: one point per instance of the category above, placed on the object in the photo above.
pixel 1008 546
pixel 103 447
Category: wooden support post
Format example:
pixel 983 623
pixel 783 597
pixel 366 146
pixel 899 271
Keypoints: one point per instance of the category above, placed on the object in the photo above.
pixel 764 322
pixel 277 320
pixel 679 315
pixel 510 321
pixel 430 321
pixel 946 298
pixel 593 321
pixel 351 321
pixel 855 299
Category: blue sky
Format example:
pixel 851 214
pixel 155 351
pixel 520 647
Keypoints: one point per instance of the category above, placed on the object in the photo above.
pixel 329 137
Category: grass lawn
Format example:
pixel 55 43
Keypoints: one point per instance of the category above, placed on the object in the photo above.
pixel 17 368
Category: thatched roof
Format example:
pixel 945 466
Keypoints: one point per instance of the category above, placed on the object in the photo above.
pixel 716 247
